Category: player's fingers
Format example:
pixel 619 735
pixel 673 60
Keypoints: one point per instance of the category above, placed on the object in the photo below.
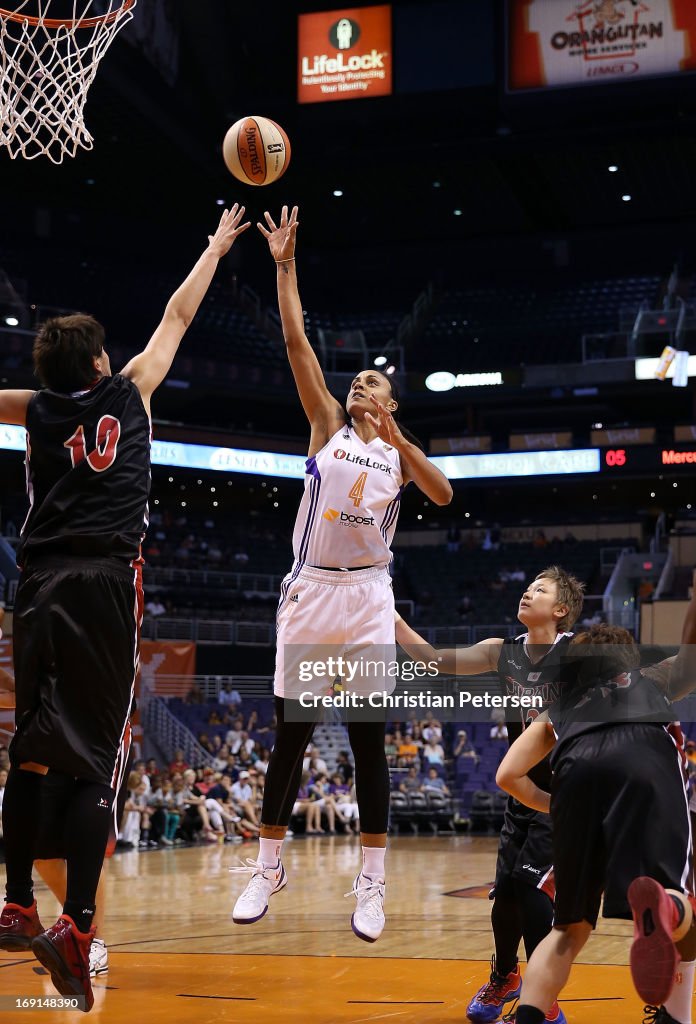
pixel 293 215
pixel 242 227
pixel 264 231
pixel 284 217
pixel 270 221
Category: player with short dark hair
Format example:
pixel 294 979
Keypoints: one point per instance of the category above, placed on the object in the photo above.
pixel 619 812
pixel 526 665
pixel 79 604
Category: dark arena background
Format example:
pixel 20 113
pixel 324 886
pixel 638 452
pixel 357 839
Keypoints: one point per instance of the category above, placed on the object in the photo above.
pixel 500 214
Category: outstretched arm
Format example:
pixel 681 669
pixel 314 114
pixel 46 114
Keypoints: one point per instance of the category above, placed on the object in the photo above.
pixel 148 369
pixel 13 406
pixel 528 749
pixel 415 464
pixel 465 661
pixel 682 677
pixel 324 413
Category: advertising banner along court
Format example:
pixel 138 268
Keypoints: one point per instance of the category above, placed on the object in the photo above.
pixel 344 54
pixel 591 42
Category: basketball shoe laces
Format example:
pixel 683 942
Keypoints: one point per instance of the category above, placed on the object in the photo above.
pixel 495 987
pixel 258 873
pixel 369 896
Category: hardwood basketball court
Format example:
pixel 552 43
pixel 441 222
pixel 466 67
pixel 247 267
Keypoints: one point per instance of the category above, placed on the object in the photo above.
pixel 176 956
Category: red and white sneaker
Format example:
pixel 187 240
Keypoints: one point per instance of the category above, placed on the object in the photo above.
pixel 18 926
pixel 64 952
pixel 654 957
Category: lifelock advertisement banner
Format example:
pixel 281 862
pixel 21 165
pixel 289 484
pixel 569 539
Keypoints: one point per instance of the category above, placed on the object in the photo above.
pixel 344 54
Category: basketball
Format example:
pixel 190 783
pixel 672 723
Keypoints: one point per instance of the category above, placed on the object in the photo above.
pixel 256 150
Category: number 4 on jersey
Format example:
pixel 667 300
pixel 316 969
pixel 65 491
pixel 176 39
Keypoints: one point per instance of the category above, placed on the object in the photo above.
pixel 358 489
pixel 104 454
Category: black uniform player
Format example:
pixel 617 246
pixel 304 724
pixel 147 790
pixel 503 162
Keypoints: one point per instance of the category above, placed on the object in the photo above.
pixel 619 811
pixel 79 603
pixel 523 892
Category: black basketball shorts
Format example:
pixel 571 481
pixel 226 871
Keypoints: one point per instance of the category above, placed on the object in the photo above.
pixel 619 811
pixel 76 643
pixel 525 848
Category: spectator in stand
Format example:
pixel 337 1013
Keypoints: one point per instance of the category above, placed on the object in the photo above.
pixel 195 813
pixel 407 754
pixel 431 728
pixel 320 793
pixel 464 747
pixel 214 718
pixel 691 752
pixel 171 813
pixel 305 805
pixel 454 536
pixel 205 742
pixel 242 795
pixel 151 767
pixel 313 763
pixel 234 734
pixel 140 768
pixel 4 759
pixel 262 764
pixel 155 805
pixel 221 759
pixel 243 744
pixel 155 608
pixel 540 540
pixel 345 804
pixel 412 783
pixel 435 783
pixel 499 731
pixel 229 697
pixel 194 696
pixel 433 753
pixel 390 749
pixel 241 558
pixel 344 767
pixel 137 822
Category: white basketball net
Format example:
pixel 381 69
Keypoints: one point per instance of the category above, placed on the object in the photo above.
pixel 46 71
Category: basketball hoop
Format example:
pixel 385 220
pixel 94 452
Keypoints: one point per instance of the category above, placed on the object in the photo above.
pixel 47 66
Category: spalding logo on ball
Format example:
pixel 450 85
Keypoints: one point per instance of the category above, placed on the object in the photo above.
pixel 256 150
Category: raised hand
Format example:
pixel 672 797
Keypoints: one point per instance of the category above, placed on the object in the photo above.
pixel 384 423
pixel 228 229
pixel 281 238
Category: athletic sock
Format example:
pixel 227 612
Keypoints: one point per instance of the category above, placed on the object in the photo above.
pixel 529 1015
pixel 373 861
pixel 86 832
pixel 679 1003
pixel 20 821
pixel 269 852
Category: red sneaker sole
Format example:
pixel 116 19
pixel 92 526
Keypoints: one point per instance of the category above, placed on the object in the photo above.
pixel 654 957
pixel 63 980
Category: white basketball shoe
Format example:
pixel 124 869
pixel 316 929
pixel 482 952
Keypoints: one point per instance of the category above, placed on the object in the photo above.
pixel 368 918
pixel 264 882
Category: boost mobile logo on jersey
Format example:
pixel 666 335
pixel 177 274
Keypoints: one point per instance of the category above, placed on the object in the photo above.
pixel 362 460
pixel 346 519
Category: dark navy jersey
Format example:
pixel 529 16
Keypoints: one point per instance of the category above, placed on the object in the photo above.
pixel 88 472
pixel 586 705
pixel 521 675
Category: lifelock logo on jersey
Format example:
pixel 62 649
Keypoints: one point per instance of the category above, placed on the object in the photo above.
pixel 325 65
pixel 362 460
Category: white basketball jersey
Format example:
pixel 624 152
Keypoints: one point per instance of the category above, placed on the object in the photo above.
pixel 350 504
